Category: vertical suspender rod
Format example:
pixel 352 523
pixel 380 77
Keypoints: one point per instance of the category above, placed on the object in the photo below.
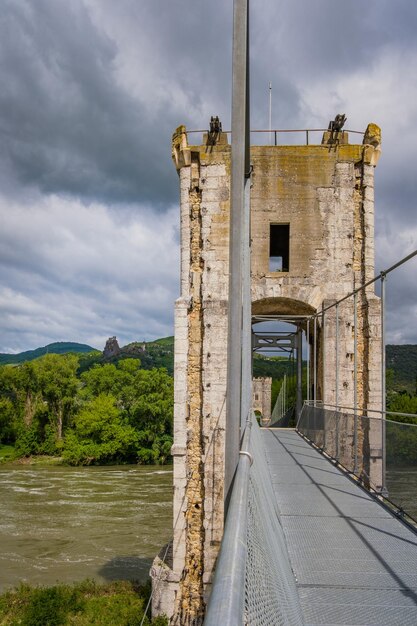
pixel 238 238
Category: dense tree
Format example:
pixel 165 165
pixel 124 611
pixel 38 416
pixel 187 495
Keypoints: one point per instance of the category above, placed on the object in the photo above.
pixel 110 413
pixel 402 403
pixel 58 385
pixel 100 434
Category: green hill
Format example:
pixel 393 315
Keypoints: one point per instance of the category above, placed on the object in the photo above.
pixel 158 353
pixel 401 360
pixel 59 347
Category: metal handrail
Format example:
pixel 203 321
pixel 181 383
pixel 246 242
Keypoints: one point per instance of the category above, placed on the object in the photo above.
pixel 279 130
pixel 382 274
pixel 273 132
pixel 320 404
pixel 227 600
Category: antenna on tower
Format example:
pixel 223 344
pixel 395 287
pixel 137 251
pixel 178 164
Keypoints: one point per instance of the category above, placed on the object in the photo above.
pixel 270 112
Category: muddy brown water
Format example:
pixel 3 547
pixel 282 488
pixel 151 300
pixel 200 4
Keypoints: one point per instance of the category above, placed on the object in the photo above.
pixel 65 524
pixel 61 524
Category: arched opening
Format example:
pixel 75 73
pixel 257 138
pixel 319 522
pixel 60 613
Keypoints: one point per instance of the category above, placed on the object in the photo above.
pixel 282 342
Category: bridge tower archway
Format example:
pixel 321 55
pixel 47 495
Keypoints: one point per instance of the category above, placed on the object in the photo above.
pixel 284 327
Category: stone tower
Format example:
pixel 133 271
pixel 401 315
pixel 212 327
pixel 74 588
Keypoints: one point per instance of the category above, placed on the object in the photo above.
pixel 312 230
pixel 261 398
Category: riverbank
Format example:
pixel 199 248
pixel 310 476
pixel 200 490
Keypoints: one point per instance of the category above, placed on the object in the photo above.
pixel 86 603
pixel 8 456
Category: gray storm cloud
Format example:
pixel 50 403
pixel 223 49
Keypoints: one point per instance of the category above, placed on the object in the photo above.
pixel 91 91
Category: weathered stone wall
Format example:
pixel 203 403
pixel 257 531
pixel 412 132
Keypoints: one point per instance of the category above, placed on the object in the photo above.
pixel 200 381
pixel 325 194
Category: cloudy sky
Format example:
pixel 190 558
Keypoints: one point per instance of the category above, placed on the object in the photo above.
pixel 91 91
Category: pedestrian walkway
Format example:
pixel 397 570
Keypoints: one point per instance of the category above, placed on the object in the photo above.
pixel 353 561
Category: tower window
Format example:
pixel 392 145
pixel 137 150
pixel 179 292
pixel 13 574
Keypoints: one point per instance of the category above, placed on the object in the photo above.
pixel 279 247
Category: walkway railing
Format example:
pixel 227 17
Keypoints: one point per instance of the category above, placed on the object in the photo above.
pixel 293 136
pixel 280 406
pixel 253 583
pixel 353 439
pixel 334 322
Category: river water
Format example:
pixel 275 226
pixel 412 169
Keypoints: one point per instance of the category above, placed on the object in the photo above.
pixel 106 523
pixel 67 524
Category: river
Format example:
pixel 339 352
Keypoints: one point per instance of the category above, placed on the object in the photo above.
pixel 67 524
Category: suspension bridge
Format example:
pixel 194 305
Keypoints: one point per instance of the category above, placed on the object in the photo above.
pixel 282 526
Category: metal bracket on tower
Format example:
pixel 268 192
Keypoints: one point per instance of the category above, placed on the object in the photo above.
pixel 215 130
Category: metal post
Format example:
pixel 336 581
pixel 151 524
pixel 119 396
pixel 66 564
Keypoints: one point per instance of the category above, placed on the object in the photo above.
pixel 315 362
pixel 285 393
pixel 307 137
pixel 247 314
pixel 238 160
pixel 337 358
pixel 355 390
pixel 299 396
pixel 308 359
pixel 275 137
pixel 384 490
pixel 323 373
pixel 270 112
pixel 323 353
pixel 337 381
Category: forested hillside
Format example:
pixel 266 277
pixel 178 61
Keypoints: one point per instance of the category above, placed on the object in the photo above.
pixel 401 360
pixel 95 407
pixel 91 408
pixel 60 347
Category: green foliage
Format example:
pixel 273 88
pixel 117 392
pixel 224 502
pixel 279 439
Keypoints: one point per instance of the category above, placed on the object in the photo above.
pixel 401 430
pixel 58 385
pixel 108 378
pixel 402 361
pixel 87 603
pixel 87 360
pixel 27 441
pixel 274 366
pixel 401 442
pixel 100 435
pixel 7 453
pixel 402 403
pixel 50 606
pixel 155 354
pixel 112 413
pixel 149 406
pixel 7 412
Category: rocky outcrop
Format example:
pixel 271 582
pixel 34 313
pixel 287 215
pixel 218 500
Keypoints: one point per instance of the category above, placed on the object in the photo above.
pixel 111 349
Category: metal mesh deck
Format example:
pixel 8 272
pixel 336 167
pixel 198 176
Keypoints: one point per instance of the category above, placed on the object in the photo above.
pixel 354 563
